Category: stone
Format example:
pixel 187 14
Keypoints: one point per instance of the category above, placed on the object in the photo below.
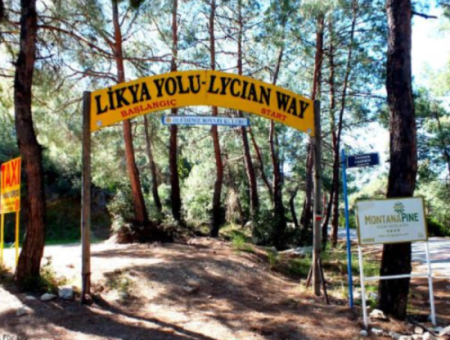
pixel 22 311
pixel 190 290
pixel 30 298
pixel 377 314
pixel 123 295
pixel 377 331
pixel 418 330
pixel 445 331
pixel 65 292
pixel 428 336
pixel 47 297
pixel 417 337
pixel 394 335
pixel 364 333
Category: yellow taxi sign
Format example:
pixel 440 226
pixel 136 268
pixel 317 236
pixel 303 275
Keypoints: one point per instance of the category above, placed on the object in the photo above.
pixel 10 186
pixel 191 88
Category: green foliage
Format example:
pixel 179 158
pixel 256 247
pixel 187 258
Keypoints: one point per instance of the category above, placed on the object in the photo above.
pixel 240 242
pixel 273 257
pixel 351 220
pixel 435 228
pixel 47 282
pixel 121 205
pixel 120 282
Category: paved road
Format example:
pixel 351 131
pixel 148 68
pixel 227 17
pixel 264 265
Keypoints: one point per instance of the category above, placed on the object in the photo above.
pixel 439 254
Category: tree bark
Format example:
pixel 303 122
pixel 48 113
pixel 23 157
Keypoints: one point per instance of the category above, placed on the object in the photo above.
pixel 152 165
pixel 33 246
pixel 396 258
pixel 217 207
pixel 249 168
pixel 175 194
pixel 292 206
pixel 140 211
pixel 277 190
pixel 261 164
pixel 306 219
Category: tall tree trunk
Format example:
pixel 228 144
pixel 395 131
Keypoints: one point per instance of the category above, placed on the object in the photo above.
pixel 277 190
pixel 396 258
pixel 217 208
pixel 292 206
pixel 175 194
pixel 140 211
pixel 151 161
pixel 249 168
pixel 306 219
pixel 261 164
pixel 332 108
pixel 33 246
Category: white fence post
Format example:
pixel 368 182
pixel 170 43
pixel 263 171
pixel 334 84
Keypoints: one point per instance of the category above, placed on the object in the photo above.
pixel 363 290
pixel 430 285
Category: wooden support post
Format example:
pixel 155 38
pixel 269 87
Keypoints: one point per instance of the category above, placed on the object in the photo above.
pixel 86 202
pixel 317 199
pixel 2 236
pixel 17 236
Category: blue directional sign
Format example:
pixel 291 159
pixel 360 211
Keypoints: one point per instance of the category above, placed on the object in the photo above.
pixel 205 120
pixel 367 159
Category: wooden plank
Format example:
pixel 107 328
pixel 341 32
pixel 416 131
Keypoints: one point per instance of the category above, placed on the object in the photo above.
pixel 86 202
pixel 317 199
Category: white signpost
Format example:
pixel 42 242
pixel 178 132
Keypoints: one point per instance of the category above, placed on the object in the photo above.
pixel 205 120
pixel 392 221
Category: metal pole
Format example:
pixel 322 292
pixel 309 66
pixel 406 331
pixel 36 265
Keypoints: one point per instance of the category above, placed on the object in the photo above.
pixel 430 285
pixel 347 228
pixel 86 201
pixel 363 290
pixel 317 198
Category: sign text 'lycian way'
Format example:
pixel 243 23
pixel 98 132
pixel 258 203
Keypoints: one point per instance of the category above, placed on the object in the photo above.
pixel 191 88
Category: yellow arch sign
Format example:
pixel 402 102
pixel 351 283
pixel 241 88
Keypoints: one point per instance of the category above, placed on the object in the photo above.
pixel 191 88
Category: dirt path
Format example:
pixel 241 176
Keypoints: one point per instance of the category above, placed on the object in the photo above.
pixel 204 290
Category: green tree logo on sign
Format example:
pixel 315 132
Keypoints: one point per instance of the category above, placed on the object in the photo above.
pixel 399 208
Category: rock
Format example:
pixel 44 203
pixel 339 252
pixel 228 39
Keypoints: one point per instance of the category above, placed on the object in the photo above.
pixel 428 336
pixel 30 298
pixel 405 337
pixel 190 290
pixel 249 224
pixel 22 311
pixel 394 335
pixel 417 337
pixel 123 295
pixel 377 314
pixel 364 333
pixel 377 331
pixel 418 330
pixel 445 331
pixel 48 297
pixel 65 292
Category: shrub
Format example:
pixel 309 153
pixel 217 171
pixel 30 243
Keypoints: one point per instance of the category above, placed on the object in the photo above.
pixel 435 228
